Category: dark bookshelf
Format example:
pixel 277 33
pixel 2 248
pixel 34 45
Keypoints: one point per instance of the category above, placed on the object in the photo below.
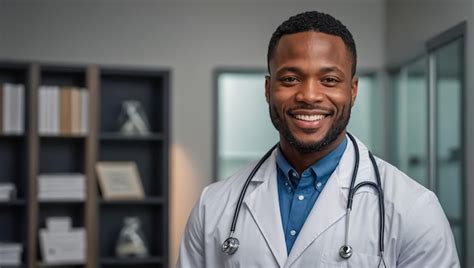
pixel 15 163
pixel 25 156
pixel 59 153
pixel 149 152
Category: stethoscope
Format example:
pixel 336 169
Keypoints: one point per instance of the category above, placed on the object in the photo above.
pixel 231 244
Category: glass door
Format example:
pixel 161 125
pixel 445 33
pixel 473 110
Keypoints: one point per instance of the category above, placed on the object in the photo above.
pixel 428 124
pixel 411 120
pixel 447 80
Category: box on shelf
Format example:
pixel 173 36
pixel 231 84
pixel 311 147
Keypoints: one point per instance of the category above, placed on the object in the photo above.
pixel 61 244
pixel 10 253
pixel 7 191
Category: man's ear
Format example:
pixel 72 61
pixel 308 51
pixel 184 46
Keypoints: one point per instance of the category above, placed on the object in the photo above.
pixel 267 88
pixel 354 89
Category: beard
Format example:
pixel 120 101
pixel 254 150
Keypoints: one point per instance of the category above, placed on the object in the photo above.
pixel 337 127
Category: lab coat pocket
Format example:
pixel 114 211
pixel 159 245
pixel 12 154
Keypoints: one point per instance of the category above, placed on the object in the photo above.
pixel 357 260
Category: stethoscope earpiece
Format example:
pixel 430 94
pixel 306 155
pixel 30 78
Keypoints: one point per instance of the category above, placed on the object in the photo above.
pixel 230 245
pixel 345 251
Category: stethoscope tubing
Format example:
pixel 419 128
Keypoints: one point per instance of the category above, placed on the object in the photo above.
pixel 246 185
pixel 232 242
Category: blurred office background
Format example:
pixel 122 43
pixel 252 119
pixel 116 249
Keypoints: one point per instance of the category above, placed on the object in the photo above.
pixel 415 62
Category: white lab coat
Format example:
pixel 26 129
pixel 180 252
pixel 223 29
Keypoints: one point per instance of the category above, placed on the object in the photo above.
pixel 417 233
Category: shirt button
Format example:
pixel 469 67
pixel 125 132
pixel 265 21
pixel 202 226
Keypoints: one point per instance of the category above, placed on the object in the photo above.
pixel 293 173
pixel 301 197
pixel 292 232
pixel 318 184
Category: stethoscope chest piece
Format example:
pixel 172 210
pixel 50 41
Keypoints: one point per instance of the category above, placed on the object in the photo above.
pixel 345 251
pixel 230 245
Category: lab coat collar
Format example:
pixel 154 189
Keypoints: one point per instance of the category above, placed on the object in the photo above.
pixel 330 207
pixel 264 207
pixel 332 202
pixel 343 171
pixel 346 167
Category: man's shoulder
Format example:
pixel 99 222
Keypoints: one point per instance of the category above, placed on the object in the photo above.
pixel 228 187
pixel 400 190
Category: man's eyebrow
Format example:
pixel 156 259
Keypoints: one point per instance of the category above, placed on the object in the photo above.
pixel 290 69
pixel 323 70
pixel 330 69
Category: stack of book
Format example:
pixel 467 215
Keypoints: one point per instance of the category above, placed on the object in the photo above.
pixel 61 187
pixel 7 191
pixel 12 109
pixel 63 110
pixel 10 254
pixel 62 244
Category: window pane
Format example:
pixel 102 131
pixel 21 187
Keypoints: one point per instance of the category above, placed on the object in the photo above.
pixel 245 129
pixel 367 113
pixel 448 122
pixel 411 121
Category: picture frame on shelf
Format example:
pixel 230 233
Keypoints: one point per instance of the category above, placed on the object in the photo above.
pixel 119 181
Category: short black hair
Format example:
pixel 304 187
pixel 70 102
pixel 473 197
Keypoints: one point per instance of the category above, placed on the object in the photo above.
pixel 317 22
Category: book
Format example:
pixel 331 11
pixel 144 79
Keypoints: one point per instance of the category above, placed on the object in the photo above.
pixel 58 224
pixel 61 195
pixel 19 121
pixel 7 92
pixel 41 110
pixel 10 253
pixel 55 112
pixel 65 118
pixel 84 111
pixel 1 108
pixel 7 191
pixel 75 110
pixel 61 186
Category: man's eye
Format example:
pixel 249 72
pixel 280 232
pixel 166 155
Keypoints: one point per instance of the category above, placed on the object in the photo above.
pixel 330 81
pixel 289 79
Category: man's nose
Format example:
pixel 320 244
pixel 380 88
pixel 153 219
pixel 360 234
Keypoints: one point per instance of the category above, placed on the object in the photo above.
pixel 310 92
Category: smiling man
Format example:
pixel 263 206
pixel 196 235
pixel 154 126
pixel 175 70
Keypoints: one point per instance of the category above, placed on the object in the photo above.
pixel 319 198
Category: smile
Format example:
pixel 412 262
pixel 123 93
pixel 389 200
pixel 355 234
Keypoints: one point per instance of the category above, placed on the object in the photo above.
pixel 309 118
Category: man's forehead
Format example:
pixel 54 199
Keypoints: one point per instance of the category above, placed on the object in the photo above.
pixel 311 44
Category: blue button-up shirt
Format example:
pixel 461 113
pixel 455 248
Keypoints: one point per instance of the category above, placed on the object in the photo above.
pixel 298 192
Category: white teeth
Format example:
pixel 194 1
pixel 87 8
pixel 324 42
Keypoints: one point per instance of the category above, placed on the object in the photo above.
pixel 304 117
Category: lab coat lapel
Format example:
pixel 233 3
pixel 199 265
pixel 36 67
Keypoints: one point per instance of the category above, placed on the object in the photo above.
pixel 330 206
pixel 328 209
pixel 264 207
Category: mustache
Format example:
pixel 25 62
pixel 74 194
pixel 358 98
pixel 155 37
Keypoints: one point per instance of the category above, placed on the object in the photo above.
pixel 306 106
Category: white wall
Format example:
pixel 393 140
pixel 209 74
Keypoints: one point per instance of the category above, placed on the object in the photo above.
pixel 189 38
pixel 410 23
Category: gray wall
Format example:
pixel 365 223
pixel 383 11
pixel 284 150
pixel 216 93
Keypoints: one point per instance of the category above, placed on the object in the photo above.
pixel 191 39
pixel 410 23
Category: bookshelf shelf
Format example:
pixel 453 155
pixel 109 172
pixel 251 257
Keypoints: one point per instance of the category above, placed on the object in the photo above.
pixel 62 202
pixel 111 136
pixel 147 201
pixel 18 202
pixel 12 136
pixel 132 261
pixel 25 157
pixel 66 264
pixel 47 136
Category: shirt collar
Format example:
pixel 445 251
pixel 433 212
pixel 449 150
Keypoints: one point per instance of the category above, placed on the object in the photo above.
pixel 322 169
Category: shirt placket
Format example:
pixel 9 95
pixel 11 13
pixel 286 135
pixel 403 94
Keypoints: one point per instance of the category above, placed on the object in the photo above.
pixel 299 203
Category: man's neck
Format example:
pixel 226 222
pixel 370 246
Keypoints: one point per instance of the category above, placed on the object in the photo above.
pixel 301 161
